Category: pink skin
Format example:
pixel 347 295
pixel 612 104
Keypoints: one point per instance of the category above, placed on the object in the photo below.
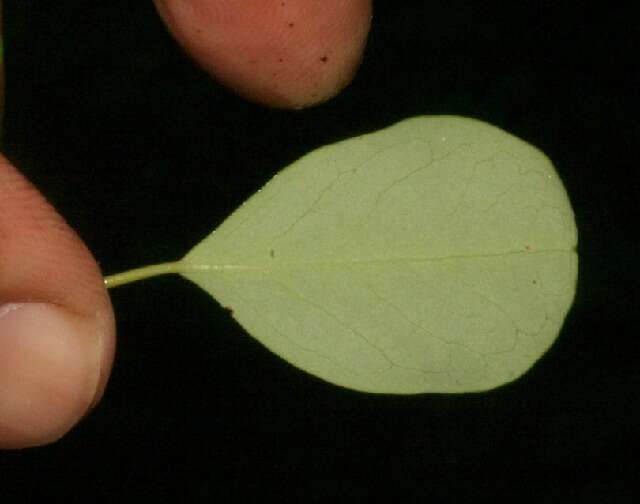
pixel 57 330
pixel 56 321
pixel 282 53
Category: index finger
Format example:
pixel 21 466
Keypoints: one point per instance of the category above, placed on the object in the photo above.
pixel 282 53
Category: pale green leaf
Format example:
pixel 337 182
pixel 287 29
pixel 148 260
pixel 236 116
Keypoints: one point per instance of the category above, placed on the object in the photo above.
pixel 437 255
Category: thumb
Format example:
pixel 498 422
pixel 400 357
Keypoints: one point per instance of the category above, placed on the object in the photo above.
pixel 283 53
pixel 56 322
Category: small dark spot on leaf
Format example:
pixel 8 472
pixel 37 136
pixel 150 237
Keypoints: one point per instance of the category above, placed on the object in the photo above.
pixel 228 309
pixel 324 58
pixel 534 282
pixel 291 25
pixel 272 253
pixel 280 60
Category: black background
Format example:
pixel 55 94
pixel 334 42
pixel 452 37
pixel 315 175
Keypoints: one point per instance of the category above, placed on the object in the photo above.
pixel 144 155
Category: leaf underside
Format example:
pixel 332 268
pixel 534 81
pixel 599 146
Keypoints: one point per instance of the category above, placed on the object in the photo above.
pixel 436 255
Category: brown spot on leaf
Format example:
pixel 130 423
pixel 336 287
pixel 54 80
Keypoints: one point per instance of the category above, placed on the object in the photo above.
pixel 324 58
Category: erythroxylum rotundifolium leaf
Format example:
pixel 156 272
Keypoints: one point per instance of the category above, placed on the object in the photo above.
pixel 436 255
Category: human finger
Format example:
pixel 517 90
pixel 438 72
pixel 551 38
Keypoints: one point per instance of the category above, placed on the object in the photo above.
pixel 57 327
pixel 282 53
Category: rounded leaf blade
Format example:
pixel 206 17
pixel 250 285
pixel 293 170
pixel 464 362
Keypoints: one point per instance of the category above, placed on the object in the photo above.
pixel 436 255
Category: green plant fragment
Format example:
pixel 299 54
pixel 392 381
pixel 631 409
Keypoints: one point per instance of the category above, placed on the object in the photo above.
pixel 436 255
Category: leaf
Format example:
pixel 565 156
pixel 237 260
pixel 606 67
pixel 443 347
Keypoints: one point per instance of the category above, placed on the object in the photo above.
pixel 437 255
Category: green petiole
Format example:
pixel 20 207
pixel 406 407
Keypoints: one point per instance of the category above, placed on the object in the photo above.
pixel 142 273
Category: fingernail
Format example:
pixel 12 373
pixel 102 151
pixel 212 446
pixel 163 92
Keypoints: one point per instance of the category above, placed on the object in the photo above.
pixel 49 372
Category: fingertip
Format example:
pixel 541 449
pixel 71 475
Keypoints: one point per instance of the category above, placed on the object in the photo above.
pixel 57 329
pixel 50 372
pixel 281 53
